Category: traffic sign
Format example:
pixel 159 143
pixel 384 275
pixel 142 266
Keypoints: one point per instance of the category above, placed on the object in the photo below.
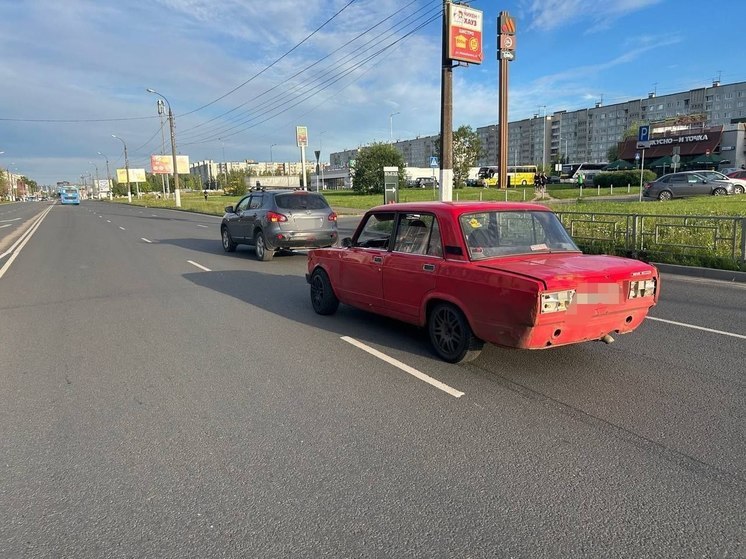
pixel 675 158
pixel 643 137
pixel 434 161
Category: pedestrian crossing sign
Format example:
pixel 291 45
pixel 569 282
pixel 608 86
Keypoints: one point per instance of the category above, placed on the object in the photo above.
pixel 433 161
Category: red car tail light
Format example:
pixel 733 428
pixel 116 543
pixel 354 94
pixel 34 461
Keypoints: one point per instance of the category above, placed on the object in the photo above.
pixel 274 217
pixel 332 217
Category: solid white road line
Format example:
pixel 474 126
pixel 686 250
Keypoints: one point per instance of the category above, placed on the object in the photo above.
pixel 21 242
pixel 205 226
pixel 406 368
pixel 122 228
pixel 685 325
pixel 6 225
pixel 146 240
pixel 200 266
pixel 7 220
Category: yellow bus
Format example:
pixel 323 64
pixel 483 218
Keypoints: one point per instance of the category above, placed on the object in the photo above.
pixel 517 174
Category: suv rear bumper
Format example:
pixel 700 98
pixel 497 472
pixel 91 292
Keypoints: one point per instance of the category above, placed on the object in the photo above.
pixel 301 239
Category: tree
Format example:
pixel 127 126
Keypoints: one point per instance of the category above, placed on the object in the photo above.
pixel 467 150
pixel 236 183
pixel 612 153
pixel 367 174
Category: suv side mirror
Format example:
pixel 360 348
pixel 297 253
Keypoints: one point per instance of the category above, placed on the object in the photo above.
pixel 229 209
pixel 347 242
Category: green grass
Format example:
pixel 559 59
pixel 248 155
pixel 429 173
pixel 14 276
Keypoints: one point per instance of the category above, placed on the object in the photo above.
pixel 566 194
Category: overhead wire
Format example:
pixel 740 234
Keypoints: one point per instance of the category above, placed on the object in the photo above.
pixel 326 79
pixel 306 68
pixel 273 63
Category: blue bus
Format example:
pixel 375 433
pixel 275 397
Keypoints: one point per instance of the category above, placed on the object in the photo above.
pixel 69 195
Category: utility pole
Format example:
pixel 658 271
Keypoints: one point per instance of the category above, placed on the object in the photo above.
pixel 446 113
pixel 177 193
pixel 126 168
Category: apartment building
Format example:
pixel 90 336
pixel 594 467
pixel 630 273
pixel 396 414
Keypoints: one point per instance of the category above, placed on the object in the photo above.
pixel 585 135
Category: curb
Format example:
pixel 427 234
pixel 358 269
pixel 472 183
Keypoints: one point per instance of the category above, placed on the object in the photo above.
pixel 706 273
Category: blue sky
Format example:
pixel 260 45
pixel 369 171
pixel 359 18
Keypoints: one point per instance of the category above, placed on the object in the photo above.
pixel 241 74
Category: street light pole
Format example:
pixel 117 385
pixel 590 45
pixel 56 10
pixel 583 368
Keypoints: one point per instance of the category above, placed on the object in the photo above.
pixel 391 126
pixel 126 167
pixel 177 193
pixel 108 175
pixel 271 159
pixel 544 141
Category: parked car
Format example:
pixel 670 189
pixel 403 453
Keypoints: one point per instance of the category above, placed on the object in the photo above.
pixel 739 185
pixel 554 179
pixel 426 182
pixel 687 183
pixel 272 220
pixel 738 174
pixel 474 272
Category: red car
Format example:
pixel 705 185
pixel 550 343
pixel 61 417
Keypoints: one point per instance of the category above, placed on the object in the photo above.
pixel 474 272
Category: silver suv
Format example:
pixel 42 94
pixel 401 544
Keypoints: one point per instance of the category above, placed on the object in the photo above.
pixel 272 220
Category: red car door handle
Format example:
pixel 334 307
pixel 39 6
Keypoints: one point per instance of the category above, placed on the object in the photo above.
pixel 378 260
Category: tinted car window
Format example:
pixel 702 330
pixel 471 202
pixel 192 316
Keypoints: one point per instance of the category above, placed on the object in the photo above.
pixel 256 201
pixel 243 204
pixel 413 233
pixel 300 202
pixel 377 231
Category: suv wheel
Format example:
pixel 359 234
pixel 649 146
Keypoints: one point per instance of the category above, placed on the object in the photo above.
pixel 737 189
pixel 262 252
pixel 228 244
pixel 719 192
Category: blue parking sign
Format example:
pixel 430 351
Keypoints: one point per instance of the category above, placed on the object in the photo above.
pixel 643 134
pixel 433 161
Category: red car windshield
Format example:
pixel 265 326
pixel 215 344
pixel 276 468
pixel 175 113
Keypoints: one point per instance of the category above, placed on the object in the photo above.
pixel 504 233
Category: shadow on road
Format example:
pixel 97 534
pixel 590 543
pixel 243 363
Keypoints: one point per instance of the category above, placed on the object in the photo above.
pixel 288 296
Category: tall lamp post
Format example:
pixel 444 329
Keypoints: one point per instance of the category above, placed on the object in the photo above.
pixel 108 174
pixel 271 159
pixel 391 126
pixel 126 167
pixel 544 141
pixel 177 193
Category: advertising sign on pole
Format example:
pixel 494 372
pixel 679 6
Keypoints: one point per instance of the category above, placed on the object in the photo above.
pixel 164 164
pixel 301 136
pixel 136 175
pixel 464 34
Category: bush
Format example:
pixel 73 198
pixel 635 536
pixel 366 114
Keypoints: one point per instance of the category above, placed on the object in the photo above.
pixel 623 178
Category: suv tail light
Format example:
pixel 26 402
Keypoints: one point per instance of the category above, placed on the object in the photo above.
pixel 332 217
pixel 274 217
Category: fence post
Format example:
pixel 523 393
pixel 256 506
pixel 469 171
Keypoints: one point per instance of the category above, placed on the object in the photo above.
pixel 612 189
pixel 628 187
pixel 634 231
pixel 743 241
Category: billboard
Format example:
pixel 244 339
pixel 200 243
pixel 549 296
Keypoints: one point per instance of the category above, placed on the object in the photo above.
pixel 464 34
pixel 136 175
pixel 301 136
pixel 103 185
pixel 164 164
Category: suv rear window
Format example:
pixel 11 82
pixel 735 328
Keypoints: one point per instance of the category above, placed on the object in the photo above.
pixel 301 202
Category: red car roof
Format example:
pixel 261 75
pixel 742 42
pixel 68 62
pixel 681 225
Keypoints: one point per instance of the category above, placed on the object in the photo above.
pixel 457 208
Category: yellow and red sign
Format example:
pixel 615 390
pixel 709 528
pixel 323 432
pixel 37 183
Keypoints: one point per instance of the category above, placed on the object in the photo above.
pixel 464 34
pixel 164 164
pixel 301 136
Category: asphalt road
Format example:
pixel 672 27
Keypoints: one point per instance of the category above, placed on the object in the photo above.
pixel 159 398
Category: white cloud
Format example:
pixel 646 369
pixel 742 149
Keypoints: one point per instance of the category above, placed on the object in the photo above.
pixel 595 14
